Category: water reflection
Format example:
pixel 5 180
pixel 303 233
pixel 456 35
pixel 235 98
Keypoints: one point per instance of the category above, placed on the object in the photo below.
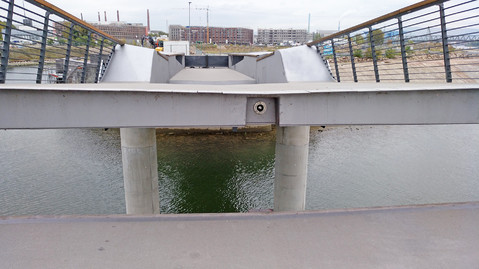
pixel 207 173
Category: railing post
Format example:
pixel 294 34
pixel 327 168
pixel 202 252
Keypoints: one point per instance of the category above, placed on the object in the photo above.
pixel 6 43
pixel 43 49
pixel 67 55
pixel 335 61
pixel 403 50
pixel 445 45
pixel 373 54
pixel 97 74
pixel 351 54
pixel 85 59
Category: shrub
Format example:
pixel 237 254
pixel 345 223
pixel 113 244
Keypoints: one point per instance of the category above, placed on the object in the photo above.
pixel 390 53
pixel 358 53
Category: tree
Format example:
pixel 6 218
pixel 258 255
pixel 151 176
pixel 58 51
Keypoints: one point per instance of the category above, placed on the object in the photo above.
pixel 378 37
pixel 358 39
pixel 80 34
pixel 160 33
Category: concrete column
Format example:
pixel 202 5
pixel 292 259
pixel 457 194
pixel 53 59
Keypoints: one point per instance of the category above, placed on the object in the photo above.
pixel 140 170
pixel 291 168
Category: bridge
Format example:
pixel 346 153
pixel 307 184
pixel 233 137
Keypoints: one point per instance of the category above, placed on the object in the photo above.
pixel 141 89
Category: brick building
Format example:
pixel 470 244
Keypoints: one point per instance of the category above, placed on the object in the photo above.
pixel 122 30
pixel 129 32
pixel 221 35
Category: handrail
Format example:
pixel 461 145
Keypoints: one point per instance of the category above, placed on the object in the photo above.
pixel 394 14
pixel 49 39
pixel 61 13
pixel 431 40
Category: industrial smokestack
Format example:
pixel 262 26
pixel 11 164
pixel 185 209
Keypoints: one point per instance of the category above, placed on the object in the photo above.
pixel 99 18
pixel 105 15
pixel 81 15
pixel 148 19
pixel 118 16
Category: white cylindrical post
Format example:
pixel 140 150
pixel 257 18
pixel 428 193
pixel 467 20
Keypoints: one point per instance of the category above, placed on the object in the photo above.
pixel 140 170
pixel 291 168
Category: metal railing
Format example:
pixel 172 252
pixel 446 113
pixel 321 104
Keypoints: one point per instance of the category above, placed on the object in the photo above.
pixel 428 41
pixel 43 44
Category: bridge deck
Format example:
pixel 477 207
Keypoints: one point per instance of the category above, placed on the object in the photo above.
pixel 435 236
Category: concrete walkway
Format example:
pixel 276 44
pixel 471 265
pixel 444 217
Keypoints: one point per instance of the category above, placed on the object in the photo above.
pixel 438 236
pixel 210 76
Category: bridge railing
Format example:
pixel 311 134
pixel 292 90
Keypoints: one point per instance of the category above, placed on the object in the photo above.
pixel 43 44
pixel 428 41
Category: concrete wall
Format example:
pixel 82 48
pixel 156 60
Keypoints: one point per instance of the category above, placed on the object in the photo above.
pixel 247 66
pixel 130 64
pixel 271 69
pixel 300 63
pixel 138 64
pixel 303 63
pixel 163 70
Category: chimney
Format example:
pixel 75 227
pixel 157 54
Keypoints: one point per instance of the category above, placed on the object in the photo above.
pixel 118 15
pixel 99 19
pixel 105 15
pixel 148 19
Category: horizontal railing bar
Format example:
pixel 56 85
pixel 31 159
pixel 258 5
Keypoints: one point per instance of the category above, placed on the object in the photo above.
pixel 421 22
pixel 419 16
pixel 460 4
pixel 27 10
pixel 460 12
pixel 463 19
pixel 380 19
pixel 462 27
pixel 427 73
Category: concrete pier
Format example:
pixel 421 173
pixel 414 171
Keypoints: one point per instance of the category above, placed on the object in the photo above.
pixel 140 170
pixel 291 168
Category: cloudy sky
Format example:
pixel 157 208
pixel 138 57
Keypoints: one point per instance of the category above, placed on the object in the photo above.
pixel 325 15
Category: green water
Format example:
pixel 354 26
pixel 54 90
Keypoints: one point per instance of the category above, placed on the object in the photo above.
pixel 211 173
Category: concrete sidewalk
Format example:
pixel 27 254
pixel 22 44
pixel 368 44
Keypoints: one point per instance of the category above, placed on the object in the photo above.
pixel 433 236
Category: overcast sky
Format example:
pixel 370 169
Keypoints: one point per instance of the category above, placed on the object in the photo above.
pixel 325 15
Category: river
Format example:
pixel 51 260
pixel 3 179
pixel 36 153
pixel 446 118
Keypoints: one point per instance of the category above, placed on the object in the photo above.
pixel 78 171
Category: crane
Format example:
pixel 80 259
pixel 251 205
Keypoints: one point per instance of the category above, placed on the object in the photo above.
pixel 207 20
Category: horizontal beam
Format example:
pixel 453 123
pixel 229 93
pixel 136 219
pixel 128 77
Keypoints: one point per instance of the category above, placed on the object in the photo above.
pixel 287 104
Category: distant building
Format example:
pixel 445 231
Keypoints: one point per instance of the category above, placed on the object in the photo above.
pixel 278 36
pixel 123 30
pixel 221 35
pixel 24 35
pixel 130 32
